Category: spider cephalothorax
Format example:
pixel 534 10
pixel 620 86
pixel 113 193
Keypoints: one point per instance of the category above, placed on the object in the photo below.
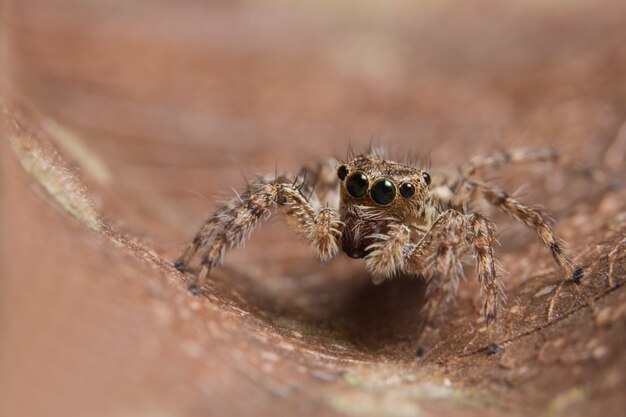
pixel 376 193
pixel 390 214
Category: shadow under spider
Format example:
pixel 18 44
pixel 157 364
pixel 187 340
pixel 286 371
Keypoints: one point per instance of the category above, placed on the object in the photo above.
pixel 381 317
pixel 344 307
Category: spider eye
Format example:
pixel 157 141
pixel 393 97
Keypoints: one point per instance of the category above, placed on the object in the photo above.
pixel 383 192
pixel 356 184
pixel 426 177
pixel 342 172
pixel 407 190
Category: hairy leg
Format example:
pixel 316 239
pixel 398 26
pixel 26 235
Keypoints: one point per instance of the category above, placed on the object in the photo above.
pixel 233 221
pixel 321 177
pixel 451 190
pixel 438 256
pixel 500 159
pixel 387 254
pixel 452 234
pixel 483 239
pixel 533 219
pixel 445 245
pixel 521 156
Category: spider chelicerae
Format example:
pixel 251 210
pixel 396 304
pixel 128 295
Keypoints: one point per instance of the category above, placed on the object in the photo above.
pixel 395 216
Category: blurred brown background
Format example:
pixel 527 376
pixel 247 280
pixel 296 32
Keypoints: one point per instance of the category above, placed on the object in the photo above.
pixel 157 108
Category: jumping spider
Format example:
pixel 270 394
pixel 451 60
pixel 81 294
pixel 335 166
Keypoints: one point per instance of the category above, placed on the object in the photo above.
pixel 391 214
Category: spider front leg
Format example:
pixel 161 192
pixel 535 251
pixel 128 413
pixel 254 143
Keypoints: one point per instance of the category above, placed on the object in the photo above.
pixel 450 237
pixel 388 254
pixel 483 238
pixel 438 256
pixel 233 221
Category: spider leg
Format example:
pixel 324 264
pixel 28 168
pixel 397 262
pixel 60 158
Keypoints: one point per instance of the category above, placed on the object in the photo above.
pixel 322 183
pixel 233 221
pixel 533 219
pixel 507 157
pixel 521 156
pixel 388 253
pixel 437 256
pixel 442 250
pixel 203 235
pixel 483 238
pixel 448 190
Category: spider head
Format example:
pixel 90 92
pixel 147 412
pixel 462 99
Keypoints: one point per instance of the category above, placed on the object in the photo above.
pixel 374 193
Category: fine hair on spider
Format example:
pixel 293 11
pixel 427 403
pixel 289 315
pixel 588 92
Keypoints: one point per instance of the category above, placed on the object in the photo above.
pixel 399 217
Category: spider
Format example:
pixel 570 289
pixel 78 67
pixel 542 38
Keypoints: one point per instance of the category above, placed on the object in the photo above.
pixel 393 215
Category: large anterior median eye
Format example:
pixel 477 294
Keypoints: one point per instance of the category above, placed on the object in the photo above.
pixel 356 184
pixel 383 192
